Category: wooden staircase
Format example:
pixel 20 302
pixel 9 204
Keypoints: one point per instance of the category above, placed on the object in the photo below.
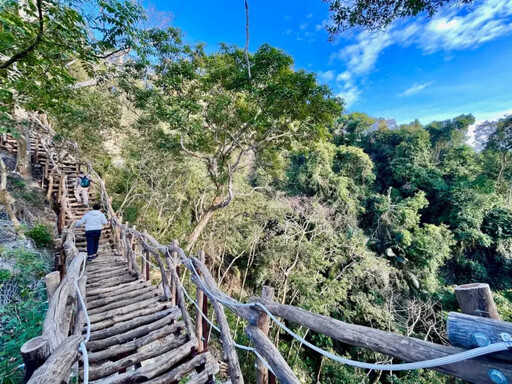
pixel 136 335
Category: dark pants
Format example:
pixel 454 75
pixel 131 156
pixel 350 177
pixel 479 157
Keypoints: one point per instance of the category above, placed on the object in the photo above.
pixel 93 241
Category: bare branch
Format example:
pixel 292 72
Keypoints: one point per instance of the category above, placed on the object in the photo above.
pixel 247 39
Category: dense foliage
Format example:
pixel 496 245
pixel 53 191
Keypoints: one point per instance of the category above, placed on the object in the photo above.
pixel 343 214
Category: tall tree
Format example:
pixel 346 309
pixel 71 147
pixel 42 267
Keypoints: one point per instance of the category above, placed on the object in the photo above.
pixel 222 117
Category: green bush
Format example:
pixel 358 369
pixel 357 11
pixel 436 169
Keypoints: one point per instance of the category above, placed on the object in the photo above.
pixel 21 318
pixel 41 234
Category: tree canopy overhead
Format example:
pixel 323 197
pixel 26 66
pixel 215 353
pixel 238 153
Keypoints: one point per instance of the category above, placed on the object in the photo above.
pixel 375 15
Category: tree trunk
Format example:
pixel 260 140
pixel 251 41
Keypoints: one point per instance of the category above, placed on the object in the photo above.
pixel 6 198
pixel 194 236
pixel 23 166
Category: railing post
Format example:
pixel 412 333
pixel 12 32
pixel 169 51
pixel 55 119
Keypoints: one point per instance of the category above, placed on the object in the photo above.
pixel 476 299
pixel 174 256
pixel 201 345
pixel 146 265
pixel 263 376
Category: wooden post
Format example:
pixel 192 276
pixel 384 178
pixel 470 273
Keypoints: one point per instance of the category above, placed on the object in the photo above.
pixel 174 256
pixel 146 264
pixel 262 375
pixel 476 300
pixel 52 282
pixel 199 312
pixel 34 353
pixel 206 329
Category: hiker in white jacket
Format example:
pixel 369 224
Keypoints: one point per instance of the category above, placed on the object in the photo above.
pixel 94 221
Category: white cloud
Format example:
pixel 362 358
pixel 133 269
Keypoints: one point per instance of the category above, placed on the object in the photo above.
pixel 453 29
pixel 303 26
pixel 415 89
pixel 288 31
pixel 309 16
pixel 325 76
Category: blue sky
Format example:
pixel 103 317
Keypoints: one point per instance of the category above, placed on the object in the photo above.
pixel 458 62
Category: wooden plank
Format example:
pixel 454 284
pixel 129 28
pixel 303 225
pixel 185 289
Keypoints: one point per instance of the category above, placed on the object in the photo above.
pixel 476 299
pixel 158 366
pixel 400 347
pixel 468 331
pixel 118 350
pixel 110 367
pixel 267 349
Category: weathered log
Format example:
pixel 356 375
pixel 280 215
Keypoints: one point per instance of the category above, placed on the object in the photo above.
pixel 158 366
pixel 58 366
pixel 92 304
pixel 131 315
pixel 52 283
pixel 166 344
pixel 206 375
pixel 120 288
pixel 400 347
pixel 181 370
pixel 80 313
pixel 122 311
pixel 117 295
pixel 264 325
pixel 249 314
pixel 117 280
pixel 118 328
pixel 468 331
pixel 56 325
pixel 122 303
pixel 120 338
pixel 163 273
pixel 34 353
pixel 180 300
pixel 133 345
pixel 265 347
pixel 476 300
pixel 199 312
pixel 228 345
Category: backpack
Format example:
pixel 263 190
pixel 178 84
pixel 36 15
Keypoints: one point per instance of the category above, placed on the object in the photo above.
pixel 85 182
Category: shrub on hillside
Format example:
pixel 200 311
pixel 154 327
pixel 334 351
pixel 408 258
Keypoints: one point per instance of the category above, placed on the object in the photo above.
pixel 41 234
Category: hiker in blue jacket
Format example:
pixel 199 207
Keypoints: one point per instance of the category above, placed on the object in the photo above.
pixel 94 221
pixel 82 184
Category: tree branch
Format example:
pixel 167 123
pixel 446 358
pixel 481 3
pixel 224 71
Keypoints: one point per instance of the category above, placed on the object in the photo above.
pixel 22 54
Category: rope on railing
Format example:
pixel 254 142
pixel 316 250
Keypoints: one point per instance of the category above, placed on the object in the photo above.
pixel 83 348
pixel 455 358
pixel 240 346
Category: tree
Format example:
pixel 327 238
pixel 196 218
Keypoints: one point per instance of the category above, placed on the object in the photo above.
pixel 42 43
pixel 375 15
pixel 350 129
pixel 222 117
